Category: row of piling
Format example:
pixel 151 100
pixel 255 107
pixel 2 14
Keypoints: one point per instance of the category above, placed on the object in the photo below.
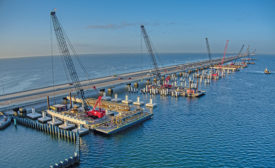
pixel 72 160
pixel 57 132
pixel 49 129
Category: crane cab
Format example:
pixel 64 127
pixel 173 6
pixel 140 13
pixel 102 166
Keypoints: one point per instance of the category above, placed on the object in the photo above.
pixel 97 112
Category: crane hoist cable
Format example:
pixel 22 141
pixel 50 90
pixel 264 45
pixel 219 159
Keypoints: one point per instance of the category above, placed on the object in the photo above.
pixel 52 61
pixel 208 50
pixel 224 53
pixel 151 53
pixel 239 54
pixel 65 52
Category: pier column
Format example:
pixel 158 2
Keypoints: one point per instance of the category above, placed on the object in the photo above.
pixel 136 84
pixel 71 103
pixel 110 90
pixel 48 102
pixel 128 85
pixel 148 82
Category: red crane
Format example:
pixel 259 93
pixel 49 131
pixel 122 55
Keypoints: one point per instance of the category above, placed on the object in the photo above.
pixel 226 45
pixel 166 83
pixel 99 113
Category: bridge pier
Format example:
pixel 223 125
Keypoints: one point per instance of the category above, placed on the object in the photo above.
pixel 148 82
pixel 128 85
pixel 126 101
pixel 136 84
pixel 116 99
pixel 110 90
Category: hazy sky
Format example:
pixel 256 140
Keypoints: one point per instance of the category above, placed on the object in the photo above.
pixel 113 26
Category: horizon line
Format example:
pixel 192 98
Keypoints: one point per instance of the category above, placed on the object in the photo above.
pixel 16 57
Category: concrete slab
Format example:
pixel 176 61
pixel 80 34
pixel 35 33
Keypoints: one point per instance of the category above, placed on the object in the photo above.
pixel 151 104
pixel 44 118
pixel 54 122
pixel 116 99
pixel 141 103
pixel 104 97
pixel 138 102
pixel 127 101
pixel 33 116
pixel 81 131
pixel 67 127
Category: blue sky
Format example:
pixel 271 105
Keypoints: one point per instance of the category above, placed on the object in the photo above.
pixel 112 26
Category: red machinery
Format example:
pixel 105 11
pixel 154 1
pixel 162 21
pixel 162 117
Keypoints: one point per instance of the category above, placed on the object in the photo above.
pixel 98 113
pixel 224 53
pixel 166 85
pixel 226 45
pixel 215 74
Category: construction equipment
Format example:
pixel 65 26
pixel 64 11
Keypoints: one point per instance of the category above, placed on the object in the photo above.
pixel 225 49
pixel 166 83
pixel 253 52
pixel 99 113
pixel 210 57
pixel 150 51
pixel 239 54
pixel 208 49
pixel 248 50
pixel 63 43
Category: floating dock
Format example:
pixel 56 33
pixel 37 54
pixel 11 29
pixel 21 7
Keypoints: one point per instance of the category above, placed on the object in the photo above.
pixel 112 122
pixel 4 122
pixel 109 128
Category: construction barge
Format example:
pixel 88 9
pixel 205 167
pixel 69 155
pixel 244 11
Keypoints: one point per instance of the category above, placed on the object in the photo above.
pixel 4 121
pixel 106 116
pixel 114 126
pixel 117 116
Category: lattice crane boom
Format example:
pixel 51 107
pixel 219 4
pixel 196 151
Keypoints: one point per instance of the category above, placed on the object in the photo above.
pixel 248 50
pixel 224 53
pixel 65 52
pixel 240 52
pixel 208 50
pixel 150 51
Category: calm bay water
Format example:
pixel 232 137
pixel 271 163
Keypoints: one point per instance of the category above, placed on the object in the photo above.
pixel 233 125
pixel 25 147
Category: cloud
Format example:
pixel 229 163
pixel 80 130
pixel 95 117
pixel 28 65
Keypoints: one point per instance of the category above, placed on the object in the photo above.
pixel 112 26
pixel 123 25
